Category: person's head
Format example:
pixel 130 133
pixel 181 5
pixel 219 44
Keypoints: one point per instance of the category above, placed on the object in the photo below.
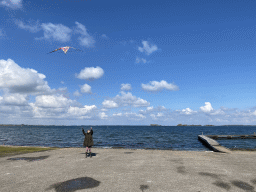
pixel 88 131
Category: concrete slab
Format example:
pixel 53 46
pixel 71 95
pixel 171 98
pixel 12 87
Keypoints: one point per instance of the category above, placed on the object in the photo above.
pixel 126 170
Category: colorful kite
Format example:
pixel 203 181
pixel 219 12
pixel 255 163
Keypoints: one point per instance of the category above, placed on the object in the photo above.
pixel 65 49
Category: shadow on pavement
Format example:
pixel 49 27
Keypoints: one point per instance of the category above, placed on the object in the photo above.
pixel 243 185
pixel 93 154
pixel 223 185
pixel 143 187
pixel 29 159
pixel 75 184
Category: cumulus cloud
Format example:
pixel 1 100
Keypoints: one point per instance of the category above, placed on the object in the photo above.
pixel 109 104
pixel 85 39
pixel 217 112
pixel 126 87
pixel 187 111
pixel 117 114
pixel 86 88
pixel 134 116
pixel 207 108
pixel 53 101
pixel 15 99
pixel 82 112
pixel 140 60
pixel 147 48
pixel 15 79
pixel 159 86
pixel 125 99
pixel 13 4
pixel 103 115
pixel 56 32
pixel 32 27
pixel 77 94
pixel 59 107
pixel 90 73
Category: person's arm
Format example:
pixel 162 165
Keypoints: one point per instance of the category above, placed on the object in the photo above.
pixel 83 131
pixel 91 131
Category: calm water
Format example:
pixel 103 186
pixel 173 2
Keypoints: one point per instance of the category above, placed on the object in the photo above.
pixel 133 137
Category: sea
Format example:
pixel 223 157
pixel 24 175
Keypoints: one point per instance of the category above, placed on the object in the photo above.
pixel 129 137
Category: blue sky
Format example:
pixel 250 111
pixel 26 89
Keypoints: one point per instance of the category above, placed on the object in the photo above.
pixel 143 62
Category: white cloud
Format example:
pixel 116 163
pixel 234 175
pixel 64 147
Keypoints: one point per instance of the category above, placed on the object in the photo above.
pixel 91 73
pixel 53 101
pixel 59 107
pixel 85 39
pixel 109 104
pixel 149 108
pixel 86 88
pixel 217 112
pixel 159 86
pixel 147 49
pixel 13 4
pixel 77 94
pixel 15 99
pixel 127 99
pixel 103 115
pixel 117 114
pixel 134 116
pixel 254 113
pixel 82 112
pixel 160 115
pixel 56 32
pixel 62 82
pixel 207 108
pixel 140 60
pixel 15 79
pixel 33 28
pixel 126 87
pixel 187 111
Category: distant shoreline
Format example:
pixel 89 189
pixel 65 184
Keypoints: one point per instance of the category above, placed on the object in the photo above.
pixel 151 125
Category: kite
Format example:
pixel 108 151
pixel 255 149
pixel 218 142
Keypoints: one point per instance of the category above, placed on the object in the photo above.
pixel 65 49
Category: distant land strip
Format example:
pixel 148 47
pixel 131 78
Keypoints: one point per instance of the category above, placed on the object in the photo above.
pixel 121 125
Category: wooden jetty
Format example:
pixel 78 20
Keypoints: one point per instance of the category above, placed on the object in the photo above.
pixel 212 144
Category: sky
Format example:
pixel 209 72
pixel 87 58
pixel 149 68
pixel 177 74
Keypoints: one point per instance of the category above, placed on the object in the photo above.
pixel 131 62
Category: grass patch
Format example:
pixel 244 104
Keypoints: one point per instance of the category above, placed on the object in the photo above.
pixel 16 150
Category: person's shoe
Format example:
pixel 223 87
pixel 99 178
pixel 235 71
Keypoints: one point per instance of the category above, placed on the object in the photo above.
pixel 90 155
pixel 86 155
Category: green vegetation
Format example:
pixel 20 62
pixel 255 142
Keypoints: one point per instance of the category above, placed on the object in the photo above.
pixel 188 125
pixel 154 125
pixel 13 150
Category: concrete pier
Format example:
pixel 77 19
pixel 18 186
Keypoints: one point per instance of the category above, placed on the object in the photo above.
pixel 212 144
pixel 232 136
pixel 124 170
